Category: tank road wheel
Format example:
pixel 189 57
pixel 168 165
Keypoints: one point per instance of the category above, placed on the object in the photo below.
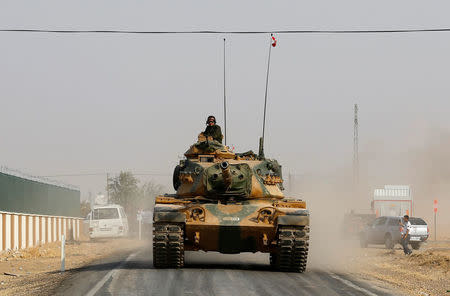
pixel 168 246
pixel 293 244
pixel 175 254
pixel 159 246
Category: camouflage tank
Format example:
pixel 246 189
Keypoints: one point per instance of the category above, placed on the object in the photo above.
pixel 229 203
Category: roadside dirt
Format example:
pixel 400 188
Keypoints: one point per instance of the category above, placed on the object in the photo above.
pixel 425 272
pixel 37 270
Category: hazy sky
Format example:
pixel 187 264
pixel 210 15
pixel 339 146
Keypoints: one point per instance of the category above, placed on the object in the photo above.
pixel 105 103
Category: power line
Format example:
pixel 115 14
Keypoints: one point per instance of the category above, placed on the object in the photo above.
pixel 102 174
pixel 74 175
pixel 377 31
pixel 151 174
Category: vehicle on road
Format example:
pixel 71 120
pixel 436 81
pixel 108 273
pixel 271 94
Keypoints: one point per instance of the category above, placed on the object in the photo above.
pixel 387 230
pixel 393 200
pixel 107 221
pixel 355 221
pixel 229 203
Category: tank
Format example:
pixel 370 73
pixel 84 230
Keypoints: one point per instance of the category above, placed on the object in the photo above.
pixel 229 203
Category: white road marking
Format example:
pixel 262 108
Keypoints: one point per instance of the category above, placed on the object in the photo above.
pixel 110 274
pixel 352 285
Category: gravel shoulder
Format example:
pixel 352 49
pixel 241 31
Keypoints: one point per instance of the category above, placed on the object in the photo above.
pixel 425 272
pixel 37 270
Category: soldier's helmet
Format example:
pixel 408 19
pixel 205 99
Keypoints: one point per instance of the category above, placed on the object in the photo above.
pixel 211 117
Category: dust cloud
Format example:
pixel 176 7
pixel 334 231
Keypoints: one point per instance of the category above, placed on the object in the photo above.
pixel 425 166
pixel 429 172
pixel 423 162
pixel 328 199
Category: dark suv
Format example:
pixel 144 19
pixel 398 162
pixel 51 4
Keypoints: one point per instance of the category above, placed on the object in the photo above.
pixel 387 230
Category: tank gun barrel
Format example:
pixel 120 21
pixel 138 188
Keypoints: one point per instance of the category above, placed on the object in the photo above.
pixel 226 174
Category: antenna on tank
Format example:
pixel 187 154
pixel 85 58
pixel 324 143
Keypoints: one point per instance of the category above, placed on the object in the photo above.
pixel 272 43
pixel 224 96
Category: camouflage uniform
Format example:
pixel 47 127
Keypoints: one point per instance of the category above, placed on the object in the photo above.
pixel 215 132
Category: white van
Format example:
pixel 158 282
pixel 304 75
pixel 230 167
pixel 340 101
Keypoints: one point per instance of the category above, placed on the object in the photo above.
pixel 107 221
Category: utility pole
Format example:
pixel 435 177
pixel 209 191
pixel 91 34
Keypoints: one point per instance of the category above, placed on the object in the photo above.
pixel 290 183
pixel 435 212
pixel 107 187
pixel 355 151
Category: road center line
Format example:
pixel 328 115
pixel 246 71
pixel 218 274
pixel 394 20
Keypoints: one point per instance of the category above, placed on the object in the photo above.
pixel 352 285
pixel 111 273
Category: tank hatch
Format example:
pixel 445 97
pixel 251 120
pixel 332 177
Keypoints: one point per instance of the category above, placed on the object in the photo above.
pixel 204 149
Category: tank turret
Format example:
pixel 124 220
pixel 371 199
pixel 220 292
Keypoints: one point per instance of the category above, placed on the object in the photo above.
pixel 211 169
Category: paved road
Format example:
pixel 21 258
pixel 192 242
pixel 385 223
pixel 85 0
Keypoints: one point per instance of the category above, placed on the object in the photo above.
pixel 205 274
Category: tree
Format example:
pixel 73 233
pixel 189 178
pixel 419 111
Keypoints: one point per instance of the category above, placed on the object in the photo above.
pixel 123 190
pixel 85 208
pixel 148 192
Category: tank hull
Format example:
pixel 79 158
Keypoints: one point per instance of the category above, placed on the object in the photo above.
pixel 235 227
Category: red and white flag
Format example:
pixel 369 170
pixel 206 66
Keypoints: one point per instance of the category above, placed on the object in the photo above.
pixel 274 41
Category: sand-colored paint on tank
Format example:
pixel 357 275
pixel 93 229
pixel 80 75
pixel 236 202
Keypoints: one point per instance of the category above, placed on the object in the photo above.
pixel 229 203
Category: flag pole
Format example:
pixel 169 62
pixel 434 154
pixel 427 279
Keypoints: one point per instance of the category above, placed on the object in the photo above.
pixel 265 95
pixel 224 96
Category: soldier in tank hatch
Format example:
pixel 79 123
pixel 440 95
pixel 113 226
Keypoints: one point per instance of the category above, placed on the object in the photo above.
pixel 213 130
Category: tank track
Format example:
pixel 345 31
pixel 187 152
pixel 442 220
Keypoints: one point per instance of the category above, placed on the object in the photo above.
pixel 168 246
pixel 293 245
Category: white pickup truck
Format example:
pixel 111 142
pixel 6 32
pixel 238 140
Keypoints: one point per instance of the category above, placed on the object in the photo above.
pixel 387 230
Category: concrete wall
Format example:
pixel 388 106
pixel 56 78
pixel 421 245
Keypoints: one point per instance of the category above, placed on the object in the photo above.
pixel 19 231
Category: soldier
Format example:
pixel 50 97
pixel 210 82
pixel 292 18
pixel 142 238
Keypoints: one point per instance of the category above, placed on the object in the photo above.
pixel 213 130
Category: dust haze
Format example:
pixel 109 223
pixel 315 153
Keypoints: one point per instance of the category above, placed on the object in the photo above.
pixel 93 104
pixel 423 162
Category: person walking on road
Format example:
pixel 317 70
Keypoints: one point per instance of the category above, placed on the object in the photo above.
pixel 406 227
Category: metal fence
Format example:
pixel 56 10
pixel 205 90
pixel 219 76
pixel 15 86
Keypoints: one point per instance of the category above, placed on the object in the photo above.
pixel 22 193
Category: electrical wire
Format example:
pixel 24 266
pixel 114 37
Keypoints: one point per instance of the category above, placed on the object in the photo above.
pixel 102 174
pixel 382 31
pixel 74 175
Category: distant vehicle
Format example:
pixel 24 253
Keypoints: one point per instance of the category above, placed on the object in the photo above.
pixel 393 200
pixel 107 221
pixel 354 223
pixel 387 230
